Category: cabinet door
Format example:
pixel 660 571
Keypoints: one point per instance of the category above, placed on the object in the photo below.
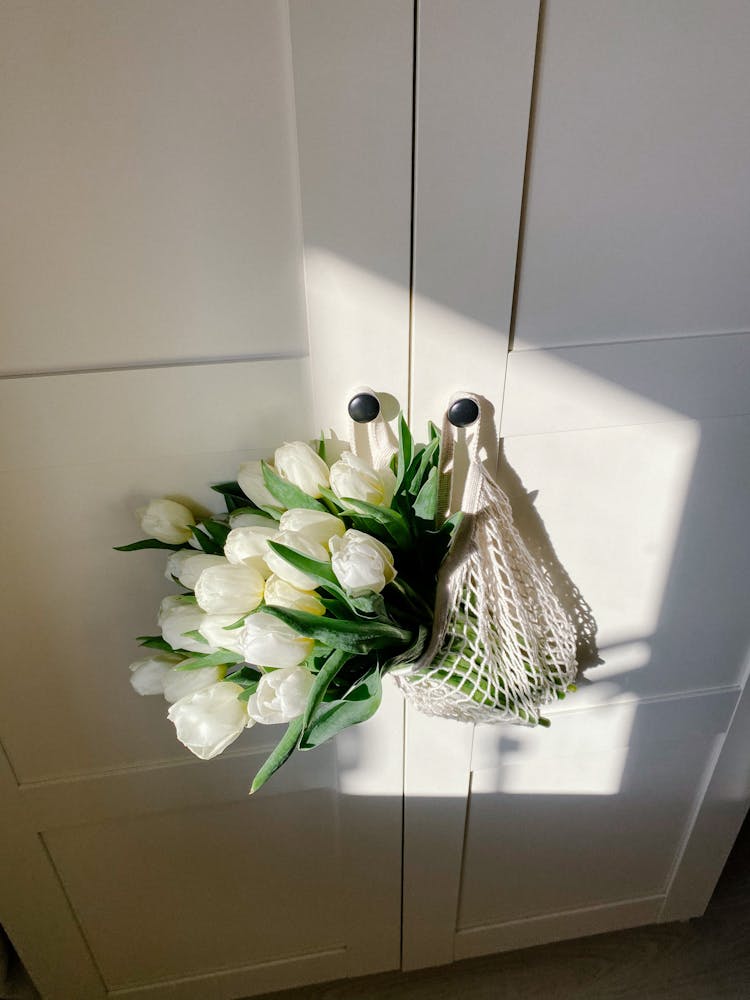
pixel 155 335
pixel 623 407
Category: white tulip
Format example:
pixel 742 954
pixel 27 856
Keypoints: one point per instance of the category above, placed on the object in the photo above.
pixel 283 595
pixel 354 479
pixel 148 676
pixel 181 683
pixel 252 484
pixel 187 566
pixel 208 721
pixel 214 629
pixel 315 525
pixel 229 590
pixel 280 696
pixel 250 519
pixel 299 464
pixel 169 603
pixel 268 642
pixel 249 546
pixel 278 565
pixel 175 619
pixel 361 563
pixel 166 520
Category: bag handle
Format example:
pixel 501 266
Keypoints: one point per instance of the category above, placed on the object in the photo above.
pixel 370 434
pixel 465 409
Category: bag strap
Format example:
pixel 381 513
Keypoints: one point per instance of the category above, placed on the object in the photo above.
pixel 482 437
pixel 373 441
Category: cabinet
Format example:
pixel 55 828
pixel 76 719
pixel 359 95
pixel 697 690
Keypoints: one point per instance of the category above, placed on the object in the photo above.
pixel 221 218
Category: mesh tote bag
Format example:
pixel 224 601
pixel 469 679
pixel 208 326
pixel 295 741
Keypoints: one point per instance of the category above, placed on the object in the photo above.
pixel 502 645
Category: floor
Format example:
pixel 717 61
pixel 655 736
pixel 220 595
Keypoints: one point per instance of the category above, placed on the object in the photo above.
pixel 704 959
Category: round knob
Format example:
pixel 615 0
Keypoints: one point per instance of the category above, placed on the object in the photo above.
pixel 364 407
pixel 463 412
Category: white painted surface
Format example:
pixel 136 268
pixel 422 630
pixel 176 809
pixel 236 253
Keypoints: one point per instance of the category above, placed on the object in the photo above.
pixel 637 213
pixel 641 487
pixel 353 84
pixel 474 72
pixel 617 384
pixel 475 63
pixel 562 926
pixel 157 875
pixel 82 453
pixel 149 183
pixel 635 454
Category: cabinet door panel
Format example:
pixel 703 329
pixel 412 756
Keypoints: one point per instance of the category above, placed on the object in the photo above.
pixel 151 194
pixel 154 191
pixel 626 457
pixel 637 212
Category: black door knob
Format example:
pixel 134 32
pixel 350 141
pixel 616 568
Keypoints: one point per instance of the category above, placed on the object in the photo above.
pixel 463 412
pixel 364 407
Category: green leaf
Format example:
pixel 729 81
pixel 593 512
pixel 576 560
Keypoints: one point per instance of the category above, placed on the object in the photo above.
pixel 322 448
pixel 361 636
pixel 148 543
pixel 330 718
pixel 273 512
pixel 405 449
pixel 217 531
pixel 417 472
pixel 234 498
pixel 425 506
pixel 433 431
pixel 332 499
pixel 336 607
pixel 248 678
pixel 155 642
pixel 206 542
pixel 394 523
pixel 245 675
pixel 288 495
pixel 195 634
pixel 284 750
pixel 238 624
pixel 411 654
pixel 319 570
pixel 333 664
pixel 220 658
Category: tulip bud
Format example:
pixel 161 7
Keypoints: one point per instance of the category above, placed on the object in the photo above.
pixel 280 696
pixel 166 520
pixel 250 519
pixel 354 479
pixel 252 484
pixel 361 563
pixel 229 590
pixel 298 464
pixel 214 629
pixel 187 566
pixel 249 546
pixel 181 683
pixel 315 525
pixel 278 565
pixel 208 721
pixel 268 642
pixel 284 595
pixel 148 676
pixel 175 619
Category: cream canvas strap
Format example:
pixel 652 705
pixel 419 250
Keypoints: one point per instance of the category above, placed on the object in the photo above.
pixel 373 441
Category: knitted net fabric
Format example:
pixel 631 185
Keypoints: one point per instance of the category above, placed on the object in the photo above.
pixel 502 645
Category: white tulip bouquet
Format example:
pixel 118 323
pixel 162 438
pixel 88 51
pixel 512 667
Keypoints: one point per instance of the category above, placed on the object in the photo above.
pixel 315 582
